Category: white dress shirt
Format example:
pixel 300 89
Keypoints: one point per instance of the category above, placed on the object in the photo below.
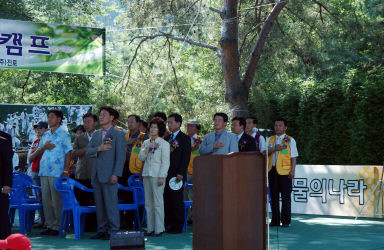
pixel 261 140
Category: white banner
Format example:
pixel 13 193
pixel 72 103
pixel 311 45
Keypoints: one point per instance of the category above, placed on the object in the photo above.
pixel 337 190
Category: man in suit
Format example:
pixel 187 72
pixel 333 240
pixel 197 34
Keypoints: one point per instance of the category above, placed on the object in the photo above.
pixel 107 150
pixel 180 146
pixel 246 142
pixel 220 141
pixel 5 182
pixel 84 166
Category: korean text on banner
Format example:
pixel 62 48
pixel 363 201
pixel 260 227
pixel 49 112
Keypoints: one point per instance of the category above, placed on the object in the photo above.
pixel 51 47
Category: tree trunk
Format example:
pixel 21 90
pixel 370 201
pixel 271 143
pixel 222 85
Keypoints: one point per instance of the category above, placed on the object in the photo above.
pixel 237 91
pixel 236 95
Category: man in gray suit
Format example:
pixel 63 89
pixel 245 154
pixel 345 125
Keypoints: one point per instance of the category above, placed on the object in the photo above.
pixel 84 167
pixel 107 148
pixel 220 141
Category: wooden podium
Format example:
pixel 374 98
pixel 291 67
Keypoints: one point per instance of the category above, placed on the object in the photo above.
pixel 229 202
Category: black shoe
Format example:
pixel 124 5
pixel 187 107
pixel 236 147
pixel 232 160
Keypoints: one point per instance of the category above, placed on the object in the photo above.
pixel 168 228
pixel 106 236
pixel 46 232
pixel 149 233
pixel 175 231
pixel 157 235
pixel 97 236
pixel 274 224
pixel 54 233
pixel 285 225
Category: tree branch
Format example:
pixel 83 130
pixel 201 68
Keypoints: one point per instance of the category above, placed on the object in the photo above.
pixel 217 11
pixel 332 15
pixel 189 7
pixel 280 28
pixel 304 21
pixel 181 39
pixel 256 52
pixel 173 67
pixel 321 15
pixel 128 71
pixel 25 84
pixel 246 35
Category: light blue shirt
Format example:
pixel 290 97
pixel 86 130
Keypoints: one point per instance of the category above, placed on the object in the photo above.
pixel 239 136
pixel 52 161
pixel 175 134
pixel 217 136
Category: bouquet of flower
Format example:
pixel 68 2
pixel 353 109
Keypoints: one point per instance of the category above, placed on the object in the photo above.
pixel 153 146
pixel 242 144
pixel 174 145
pixel 107 139
pixel 152 149
pixel 196 144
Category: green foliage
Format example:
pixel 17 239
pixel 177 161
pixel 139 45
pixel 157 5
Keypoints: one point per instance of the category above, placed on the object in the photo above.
pixel 324 75
pixel 323 71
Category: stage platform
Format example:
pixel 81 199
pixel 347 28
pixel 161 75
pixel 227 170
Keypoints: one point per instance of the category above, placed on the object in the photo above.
pixel 307 232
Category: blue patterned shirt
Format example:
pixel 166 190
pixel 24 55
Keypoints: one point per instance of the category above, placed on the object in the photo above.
pixel 52 161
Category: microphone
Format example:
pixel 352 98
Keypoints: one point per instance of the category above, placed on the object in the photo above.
pixel 265 131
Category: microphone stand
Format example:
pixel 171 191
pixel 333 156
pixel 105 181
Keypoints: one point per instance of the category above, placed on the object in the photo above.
pixel 265 132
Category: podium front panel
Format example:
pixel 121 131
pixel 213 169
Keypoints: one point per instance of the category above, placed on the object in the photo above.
pixel 229 202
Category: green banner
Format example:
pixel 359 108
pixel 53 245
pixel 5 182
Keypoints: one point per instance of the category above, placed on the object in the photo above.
pixel 51 47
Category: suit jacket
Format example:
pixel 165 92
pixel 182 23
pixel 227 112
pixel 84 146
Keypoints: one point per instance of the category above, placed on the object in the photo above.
pixel 107 163
pixel 84 163
pixel 246 143
pixel 230 144
pixel 156 164
pixel 180 155
pixel 5 162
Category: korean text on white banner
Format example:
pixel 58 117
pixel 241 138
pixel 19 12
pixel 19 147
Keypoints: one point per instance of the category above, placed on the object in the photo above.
pixel 341 190
pixel 52 47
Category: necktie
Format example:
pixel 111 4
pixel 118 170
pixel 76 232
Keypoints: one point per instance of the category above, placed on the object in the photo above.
pixel 171 137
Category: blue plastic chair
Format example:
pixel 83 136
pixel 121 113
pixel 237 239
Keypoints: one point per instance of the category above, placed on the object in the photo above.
pixel 21 199
pixel 131 206
pixel 187 204
pixel 71 208
pixel 135 181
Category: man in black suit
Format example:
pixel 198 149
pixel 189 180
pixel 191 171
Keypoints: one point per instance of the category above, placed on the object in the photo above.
pixel 5 182
pixel 246 142
pixel 180 145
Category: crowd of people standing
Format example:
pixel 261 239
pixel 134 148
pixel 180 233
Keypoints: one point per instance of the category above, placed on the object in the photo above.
pixel 160 153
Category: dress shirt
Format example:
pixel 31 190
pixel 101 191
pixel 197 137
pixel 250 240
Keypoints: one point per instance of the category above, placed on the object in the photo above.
pixel 90 136
pixel 261 139
pixel 239 136
pixel 193 138
pixel 217 136
pixel 174 134
pixel 52 161
pixel 104 132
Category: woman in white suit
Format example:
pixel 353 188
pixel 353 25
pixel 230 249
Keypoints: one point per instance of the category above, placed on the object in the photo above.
pixel 155 154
